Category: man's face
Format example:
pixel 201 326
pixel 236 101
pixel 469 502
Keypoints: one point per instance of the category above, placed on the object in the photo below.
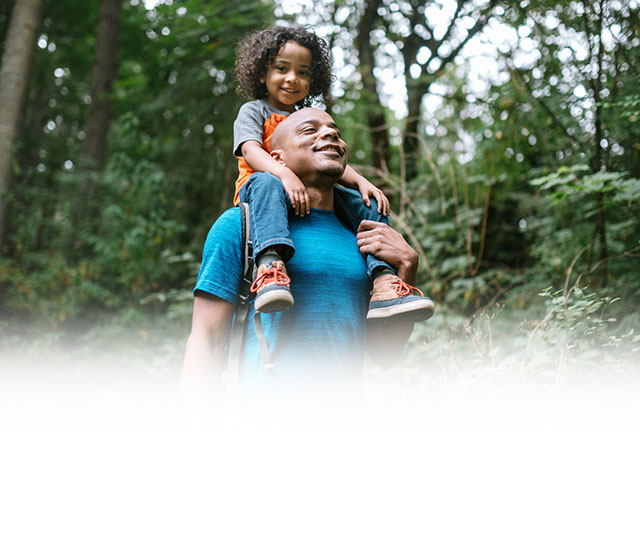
pixel 311 147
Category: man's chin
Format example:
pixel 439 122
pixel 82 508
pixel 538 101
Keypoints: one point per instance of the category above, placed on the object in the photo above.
pixel 333 171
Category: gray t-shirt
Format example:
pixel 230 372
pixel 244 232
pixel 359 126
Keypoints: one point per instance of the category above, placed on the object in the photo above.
pixel 250 121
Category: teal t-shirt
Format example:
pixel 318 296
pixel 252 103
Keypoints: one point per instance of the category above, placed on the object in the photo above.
pixel 324 333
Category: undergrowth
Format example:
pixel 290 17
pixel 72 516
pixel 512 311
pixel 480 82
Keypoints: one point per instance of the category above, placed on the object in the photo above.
pixel 549 342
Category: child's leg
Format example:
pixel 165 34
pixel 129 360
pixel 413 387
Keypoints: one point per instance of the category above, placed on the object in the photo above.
pixel 350 208
pixel 391 297
pixel 268 215
pixel 272 245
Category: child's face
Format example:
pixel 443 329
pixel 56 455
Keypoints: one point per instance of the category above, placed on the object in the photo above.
pixel 288 77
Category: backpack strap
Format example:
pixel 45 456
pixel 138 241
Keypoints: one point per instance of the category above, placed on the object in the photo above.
pixel 248 269
pixel 262 342
pixel 239 330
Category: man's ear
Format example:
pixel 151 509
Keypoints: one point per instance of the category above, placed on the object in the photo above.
pixel 278 155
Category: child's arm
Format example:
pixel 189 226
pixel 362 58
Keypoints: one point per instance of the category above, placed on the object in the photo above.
pixel 353 180
pixel 258 159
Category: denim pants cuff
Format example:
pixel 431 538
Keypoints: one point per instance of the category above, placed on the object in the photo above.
pixel 373 263
pixel 286 243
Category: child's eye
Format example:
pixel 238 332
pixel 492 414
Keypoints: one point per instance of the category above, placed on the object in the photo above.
pixel 303 73
pixel 281 69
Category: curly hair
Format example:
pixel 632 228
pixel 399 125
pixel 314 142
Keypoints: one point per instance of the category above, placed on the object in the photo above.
pixel 257 51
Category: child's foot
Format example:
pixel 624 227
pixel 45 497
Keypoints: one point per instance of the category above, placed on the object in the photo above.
pixel 272 288
pixel 392 297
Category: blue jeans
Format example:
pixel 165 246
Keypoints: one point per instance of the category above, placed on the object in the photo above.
pixel 350 208
pixel 269 208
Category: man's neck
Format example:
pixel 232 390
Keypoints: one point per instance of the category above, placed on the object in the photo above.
pixel 321 198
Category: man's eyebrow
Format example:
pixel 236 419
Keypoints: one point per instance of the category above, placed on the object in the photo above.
pixel 306 123
pixel 315 123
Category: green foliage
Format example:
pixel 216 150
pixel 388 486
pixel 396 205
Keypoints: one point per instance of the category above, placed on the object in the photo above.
pixel 170 166
pixel 565 237
pixel 579 321
pixel 129 254
pixel 531 183
pixel 580 316
pixel 176 87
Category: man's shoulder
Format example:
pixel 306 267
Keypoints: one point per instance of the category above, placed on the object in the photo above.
pixel 226 227
pixel 230 215
pixel 221 269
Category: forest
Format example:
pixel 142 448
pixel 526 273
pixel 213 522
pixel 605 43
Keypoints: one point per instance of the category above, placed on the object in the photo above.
pixel 506 134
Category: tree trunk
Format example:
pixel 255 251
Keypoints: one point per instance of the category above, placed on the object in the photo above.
pixel 601 223
pixel 373 107
pixel 16 67
pixel 416 91
pixel 105 64
pixel 94 148
pixel 418 88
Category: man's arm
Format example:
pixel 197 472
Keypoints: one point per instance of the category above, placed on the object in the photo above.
pixel 386 339
pixel 206 355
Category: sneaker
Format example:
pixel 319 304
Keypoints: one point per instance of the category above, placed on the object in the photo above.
pixel 392 297
pixel 272 288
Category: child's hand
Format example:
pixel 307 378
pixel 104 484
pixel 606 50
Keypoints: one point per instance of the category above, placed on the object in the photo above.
pixel 368 191
pixel 297 193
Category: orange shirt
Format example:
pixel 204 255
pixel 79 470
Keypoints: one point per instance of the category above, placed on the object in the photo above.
pixel 244 171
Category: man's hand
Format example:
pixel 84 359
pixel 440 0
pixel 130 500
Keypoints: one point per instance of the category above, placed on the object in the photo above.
pixel 297 192
pixel 387 244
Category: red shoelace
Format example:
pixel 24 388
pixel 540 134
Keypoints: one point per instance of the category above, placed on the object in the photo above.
pixel 269 276
pixel 403 289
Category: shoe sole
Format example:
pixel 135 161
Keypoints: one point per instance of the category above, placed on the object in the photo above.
pixel 273 301
pixel 404 312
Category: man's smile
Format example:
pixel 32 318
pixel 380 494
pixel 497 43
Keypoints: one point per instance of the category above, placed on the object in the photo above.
pixel 333 148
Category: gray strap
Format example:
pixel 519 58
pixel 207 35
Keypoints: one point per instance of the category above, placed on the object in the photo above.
pixel 236 346
pixel 239 331
pixel 262 342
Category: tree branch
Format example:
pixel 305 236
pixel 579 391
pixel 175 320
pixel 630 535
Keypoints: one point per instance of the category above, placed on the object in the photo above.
pixel 555 120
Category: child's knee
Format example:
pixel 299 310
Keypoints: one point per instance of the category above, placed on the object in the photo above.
pixel 265 182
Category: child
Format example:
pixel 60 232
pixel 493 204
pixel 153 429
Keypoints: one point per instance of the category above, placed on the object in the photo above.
pixel 283 69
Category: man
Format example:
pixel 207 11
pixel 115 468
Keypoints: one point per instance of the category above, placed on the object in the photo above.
pixel 323 337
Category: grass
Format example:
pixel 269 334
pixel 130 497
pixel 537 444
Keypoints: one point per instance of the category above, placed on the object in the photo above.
pixel 504 346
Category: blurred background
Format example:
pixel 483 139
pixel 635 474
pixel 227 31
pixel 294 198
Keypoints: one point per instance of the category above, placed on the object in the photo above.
pixel 505 133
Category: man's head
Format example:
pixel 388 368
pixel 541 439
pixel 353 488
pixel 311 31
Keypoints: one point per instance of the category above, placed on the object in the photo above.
pixel 308 142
